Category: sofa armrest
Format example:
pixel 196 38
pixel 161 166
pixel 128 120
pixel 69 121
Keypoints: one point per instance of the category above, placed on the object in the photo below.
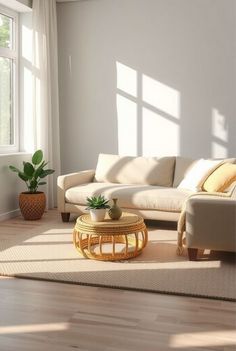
pixel 211 223
pixel 67 181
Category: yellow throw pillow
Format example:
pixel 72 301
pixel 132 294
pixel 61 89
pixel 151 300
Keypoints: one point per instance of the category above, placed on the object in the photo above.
pixel 221 178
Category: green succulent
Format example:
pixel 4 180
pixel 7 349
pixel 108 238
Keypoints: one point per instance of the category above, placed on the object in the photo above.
pixel 97 202
pixel 33 173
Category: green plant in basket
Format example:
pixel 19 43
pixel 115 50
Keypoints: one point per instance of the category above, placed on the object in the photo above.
pixel 33 173
pixel 97 202
pixel 32 203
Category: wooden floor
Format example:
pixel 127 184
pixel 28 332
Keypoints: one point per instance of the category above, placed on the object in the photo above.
pixel 49 316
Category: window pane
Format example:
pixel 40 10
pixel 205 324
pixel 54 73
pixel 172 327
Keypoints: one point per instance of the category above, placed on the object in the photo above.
pixel 6 123
pixel 5 31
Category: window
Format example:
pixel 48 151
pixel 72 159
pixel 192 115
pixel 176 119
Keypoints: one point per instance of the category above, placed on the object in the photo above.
pixel 9 139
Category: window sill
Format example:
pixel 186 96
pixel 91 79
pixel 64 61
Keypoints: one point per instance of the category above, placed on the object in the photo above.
pixel 14 154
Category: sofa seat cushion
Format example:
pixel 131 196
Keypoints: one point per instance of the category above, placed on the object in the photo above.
pixel 144 197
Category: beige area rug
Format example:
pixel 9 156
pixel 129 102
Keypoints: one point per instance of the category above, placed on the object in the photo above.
pixel 44 250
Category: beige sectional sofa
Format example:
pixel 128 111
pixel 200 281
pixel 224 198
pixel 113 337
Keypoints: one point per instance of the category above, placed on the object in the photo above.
pixel 149 187
pixel 211 223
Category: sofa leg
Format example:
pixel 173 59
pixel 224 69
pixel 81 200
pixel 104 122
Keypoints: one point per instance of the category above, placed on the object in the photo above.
pixel 192 254
pixel 65 216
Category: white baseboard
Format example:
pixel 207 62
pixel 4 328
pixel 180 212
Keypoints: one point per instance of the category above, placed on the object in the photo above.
pixel 8 215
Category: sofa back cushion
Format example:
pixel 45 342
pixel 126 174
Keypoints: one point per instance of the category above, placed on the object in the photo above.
pixel 182 167
pixel 135 170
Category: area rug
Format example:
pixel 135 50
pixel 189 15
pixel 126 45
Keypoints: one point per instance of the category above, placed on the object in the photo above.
pixel 44 250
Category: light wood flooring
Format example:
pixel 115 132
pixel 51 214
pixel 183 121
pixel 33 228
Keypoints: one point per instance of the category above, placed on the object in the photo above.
pixel 49 316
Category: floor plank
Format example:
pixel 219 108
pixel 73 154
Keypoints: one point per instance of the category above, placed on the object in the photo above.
pixel 37 315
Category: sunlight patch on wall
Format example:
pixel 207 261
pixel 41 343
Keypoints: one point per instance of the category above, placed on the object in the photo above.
pixel 160 135
pixel 39 101
pixel 126 79
pixel 148 115
pixel 219 125
pixel 28 125
pixel 30 122
pixel 218 151
pixel 127 126
pixel 26 48
pixel 220 135
pixel 161 96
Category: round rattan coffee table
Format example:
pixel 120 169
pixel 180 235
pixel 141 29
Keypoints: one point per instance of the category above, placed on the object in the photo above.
pixel 110 240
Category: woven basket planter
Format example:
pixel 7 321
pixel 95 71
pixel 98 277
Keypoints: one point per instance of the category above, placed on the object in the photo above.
pixel 32 206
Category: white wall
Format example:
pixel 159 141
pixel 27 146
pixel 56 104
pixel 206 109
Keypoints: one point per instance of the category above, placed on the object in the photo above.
pixel 141 77
pixel 10 184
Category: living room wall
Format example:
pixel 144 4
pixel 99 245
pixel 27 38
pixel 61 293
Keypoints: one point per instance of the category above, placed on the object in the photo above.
pixel 139 77
pixel 10 184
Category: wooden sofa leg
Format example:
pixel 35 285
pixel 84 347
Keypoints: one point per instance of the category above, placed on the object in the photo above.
pixel 192 254
pixel 65 216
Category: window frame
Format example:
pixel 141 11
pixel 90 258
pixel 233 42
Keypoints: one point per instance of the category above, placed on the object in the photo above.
pixel 13 54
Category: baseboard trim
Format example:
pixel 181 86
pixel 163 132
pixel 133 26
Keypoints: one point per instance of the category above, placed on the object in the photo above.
pixel 10 214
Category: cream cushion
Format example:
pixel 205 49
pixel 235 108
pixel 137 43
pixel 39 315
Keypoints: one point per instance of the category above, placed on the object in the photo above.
pixel 131 196
pixel 198 173
pixel 135 170
pixel 182 167
pixel 221 178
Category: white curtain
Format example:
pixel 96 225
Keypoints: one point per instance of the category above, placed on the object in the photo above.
pixel 45 89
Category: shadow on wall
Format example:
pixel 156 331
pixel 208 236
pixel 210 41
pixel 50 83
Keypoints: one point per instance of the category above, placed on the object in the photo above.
pixel 153 80
pixel 182 103
pixel 149 120
pixel 148 114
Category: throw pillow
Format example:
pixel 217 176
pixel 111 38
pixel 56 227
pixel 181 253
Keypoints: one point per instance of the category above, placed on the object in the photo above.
pixel 221 178
pixel 197 175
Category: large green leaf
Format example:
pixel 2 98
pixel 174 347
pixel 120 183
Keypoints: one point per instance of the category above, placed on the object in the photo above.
pixel 28 169
pixel 23 176
pixel 14 169
pixel 37 157
pixel 46 173
pixel 42 183
pixel 96 202
pixel 38 172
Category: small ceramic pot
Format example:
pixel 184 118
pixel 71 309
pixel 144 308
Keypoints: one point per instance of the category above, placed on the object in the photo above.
pixel 97 215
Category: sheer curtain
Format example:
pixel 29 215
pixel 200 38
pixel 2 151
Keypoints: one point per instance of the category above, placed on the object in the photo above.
pixel 45 89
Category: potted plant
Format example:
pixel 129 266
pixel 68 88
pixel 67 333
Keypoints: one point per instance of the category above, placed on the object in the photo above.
pixel 32 203
pixel 97 206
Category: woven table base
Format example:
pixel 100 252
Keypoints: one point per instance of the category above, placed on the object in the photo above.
pixel 122 239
